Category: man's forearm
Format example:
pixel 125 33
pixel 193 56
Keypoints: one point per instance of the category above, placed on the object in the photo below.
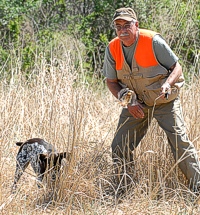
pixel 113 86
pixel 172 79
pixel 175 74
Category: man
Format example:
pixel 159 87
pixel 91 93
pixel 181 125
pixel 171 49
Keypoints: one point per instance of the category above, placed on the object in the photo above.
pixel 139 62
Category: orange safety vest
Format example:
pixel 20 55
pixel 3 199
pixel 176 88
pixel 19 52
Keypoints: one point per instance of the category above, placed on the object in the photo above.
pixel 146 75
pixel 144 58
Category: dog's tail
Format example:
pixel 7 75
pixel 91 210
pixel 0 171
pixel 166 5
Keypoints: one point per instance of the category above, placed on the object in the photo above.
pixel 19 143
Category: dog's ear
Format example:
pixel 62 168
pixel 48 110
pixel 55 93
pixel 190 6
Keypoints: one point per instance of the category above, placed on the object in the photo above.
pixel 19 143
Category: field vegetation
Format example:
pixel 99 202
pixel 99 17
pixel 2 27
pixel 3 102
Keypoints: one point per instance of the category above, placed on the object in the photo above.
pixel 51 87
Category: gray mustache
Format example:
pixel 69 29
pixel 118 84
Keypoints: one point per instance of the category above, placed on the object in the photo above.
pixel 124 34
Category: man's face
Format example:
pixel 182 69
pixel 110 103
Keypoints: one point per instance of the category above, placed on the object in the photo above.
pixel 126 31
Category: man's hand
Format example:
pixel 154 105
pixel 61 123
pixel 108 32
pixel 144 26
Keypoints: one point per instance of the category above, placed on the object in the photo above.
pixel 128 99
pixel 165 90
pixel 136 111
pixel 175 74
pixel 126 96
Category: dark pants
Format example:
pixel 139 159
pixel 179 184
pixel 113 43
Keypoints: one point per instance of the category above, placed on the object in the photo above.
pixel 169 116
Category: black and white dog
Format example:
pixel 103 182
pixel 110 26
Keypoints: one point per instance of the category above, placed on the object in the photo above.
pixel 43 157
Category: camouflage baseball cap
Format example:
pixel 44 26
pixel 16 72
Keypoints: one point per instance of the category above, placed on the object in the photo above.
pixel 125 13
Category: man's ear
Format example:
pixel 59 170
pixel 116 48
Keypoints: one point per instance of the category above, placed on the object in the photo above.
pixel 137 24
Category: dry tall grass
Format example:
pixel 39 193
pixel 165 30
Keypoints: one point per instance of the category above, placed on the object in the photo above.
pixel 82 119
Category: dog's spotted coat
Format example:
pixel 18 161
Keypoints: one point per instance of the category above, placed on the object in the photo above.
pixel 40 154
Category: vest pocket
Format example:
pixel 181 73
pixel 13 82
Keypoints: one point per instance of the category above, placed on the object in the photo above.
pixel 151 97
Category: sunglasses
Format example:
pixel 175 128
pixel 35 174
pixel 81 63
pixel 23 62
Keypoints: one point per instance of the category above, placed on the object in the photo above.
pixel 126 26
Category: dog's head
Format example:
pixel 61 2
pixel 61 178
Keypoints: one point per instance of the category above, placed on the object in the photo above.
pixel 52 163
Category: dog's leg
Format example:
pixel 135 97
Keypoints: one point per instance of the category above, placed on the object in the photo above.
pixel 38 168
pixel 18 173
pixel 22 161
